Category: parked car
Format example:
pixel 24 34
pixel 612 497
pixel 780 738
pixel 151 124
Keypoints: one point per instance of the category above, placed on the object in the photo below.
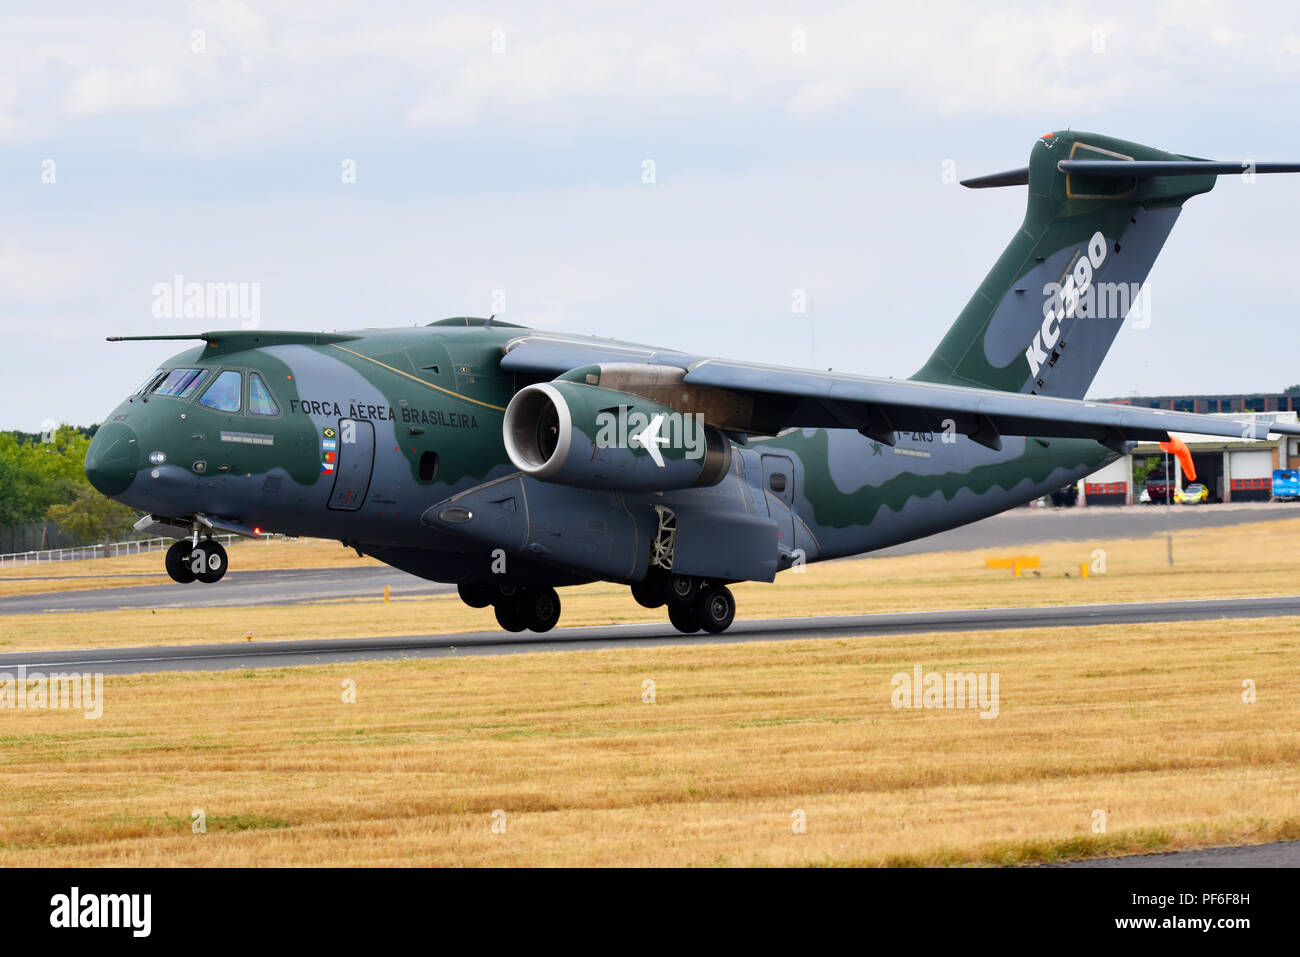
pixel 1194 494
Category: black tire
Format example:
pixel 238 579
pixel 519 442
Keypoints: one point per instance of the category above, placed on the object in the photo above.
pixel 542 608
pixel 511 617
pixel 476 595
pixel 177 562
pixel 717 609
pixel 682 589
pixel 649 593
pixel 214 562
pixel 685 618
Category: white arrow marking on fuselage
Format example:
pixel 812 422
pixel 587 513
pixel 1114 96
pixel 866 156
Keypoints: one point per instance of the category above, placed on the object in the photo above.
pixel 650 438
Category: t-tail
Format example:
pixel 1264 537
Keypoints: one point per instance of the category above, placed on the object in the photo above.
pixel 1099 211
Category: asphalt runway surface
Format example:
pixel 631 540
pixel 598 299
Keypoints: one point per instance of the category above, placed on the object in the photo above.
pixel 1021 526
pixel 278 654
pixel 287 586
pixel 1280 854
pixel 1026 526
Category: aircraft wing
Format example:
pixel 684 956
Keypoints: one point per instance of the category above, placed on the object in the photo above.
pixel 784 397
pixel 557 353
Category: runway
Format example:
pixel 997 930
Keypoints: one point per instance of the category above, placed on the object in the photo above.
pixel 279 654
pixel 292 586
pixel 1021 526
pixel 1278 854
pixel 1027 526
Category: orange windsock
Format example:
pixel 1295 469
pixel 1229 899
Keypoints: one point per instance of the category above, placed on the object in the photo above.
pixel 1179 448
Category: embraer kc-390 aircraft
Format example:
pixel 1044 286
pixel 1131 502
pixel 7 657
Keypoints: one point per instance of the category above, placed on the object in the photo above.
pixel 512 461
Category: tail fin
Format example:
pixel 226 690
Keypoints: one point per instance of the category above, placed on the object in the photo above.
pixel 1099 212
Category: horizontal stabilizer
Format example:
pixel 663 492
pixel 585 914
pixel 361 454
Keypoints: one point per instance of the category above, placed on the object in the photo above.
pixel 1012 177
pixel 1145 169
pixel 1134 169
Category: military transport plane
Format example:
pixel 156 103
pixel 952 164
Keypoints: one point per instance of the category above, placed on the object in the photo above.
pixel 512 461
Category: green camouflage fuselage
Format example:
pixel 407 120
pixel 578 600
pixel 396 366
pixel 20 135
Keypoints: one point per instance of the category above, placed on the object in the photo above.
pixel 433 398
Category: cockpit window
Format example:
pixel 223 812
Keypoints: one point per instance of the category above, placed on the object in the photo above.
pixel 180 383
pixel 150 382
pixel 260 401
pixel 223 394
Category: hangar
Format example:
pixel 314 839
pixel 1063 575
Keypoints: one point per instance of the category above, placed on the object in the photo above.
pixel 1234 470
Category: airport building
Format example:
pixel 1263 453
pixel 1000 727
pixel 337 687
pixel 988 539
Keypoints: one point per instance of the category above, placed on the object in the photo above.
pixel 1288 401
pixel 1234 470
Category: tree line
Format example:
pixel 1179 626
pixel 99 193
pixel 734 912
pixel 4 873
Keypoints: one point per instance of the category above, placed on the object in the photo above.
pixel 43 478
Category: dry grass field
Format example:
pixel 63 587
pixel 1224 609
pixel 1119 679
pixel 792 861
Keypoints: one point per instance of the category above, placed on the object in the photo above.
pixel 1144 723
pixel 1243 560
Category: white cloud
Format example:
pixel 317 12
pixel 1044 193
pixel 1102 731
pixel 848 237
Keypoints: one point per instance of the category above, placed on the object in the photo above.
pixel 229 21
pixel 11 128
pixel 418 69
pixel 147 89
pixel 815 99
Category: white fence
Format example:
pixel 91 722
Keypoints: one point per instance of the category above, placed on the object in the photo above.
pixel 15 559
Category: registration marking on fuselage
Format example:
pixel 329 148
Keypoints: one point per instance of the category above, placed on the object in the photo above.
pixel 247 438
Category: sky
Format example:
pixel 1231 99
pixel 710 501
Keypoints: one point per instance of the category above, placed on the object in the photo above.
pixel 673 173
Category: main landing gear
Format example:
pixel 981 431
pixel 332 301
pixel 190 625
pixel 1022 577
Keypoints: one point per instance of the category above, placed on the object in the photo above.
pixel 518 607
pixel 693 603
pixel 187 562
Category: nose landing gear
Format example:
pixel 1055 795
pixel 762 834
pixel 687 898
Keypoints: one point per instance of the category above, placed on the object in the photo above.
pixel 186 562
pixel 177 562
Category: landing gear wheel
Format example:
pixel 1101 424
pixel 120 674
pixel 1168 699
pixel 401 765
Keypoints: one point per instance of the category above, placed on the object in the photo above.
pixel 510 616
pixel 208 562
pixel 649 593
pixel 475 595
pixel 177 562
pixel 682 589
pixel 717 609
pixel 685 618
pixel 542 609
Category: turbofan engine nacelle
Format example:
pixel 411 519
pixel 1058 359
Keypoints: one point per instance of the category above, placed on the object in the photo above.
pixel 570 433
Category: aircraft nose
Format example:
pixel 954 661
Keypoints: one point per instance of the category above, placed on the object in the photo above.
pixel 113 459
